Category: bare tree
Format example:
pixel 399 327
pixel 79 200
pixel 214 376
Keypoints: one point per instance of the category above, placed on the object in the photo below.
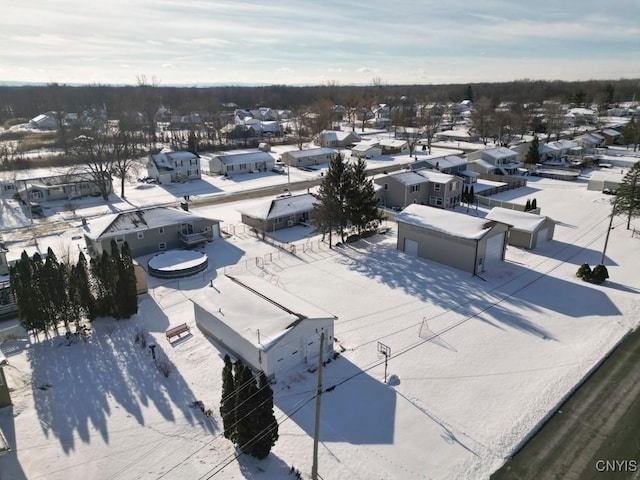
pixel 554 116
pixel 483 116
pixel 125 150
pixel 430 119
pixel 149 102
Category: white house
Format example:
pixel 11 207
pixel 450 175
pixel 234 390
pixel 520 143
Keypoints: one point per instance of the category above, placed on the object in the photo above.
pixel 366 150
pixel 490 160
pixel 306 158
pixel 267 327
pixel 336 139
pixel 233 163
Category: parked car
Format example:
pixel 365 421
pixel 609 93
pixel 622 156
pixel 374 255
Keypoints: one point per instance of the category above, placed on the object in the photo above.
pixel 278 169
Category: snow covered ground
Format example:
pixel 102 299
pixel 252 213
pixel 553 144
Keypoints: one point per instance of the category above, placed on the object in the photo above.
pixel 478 363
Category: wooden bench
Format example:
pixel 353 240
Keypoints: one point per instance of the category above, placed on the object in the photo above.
pixel 176 331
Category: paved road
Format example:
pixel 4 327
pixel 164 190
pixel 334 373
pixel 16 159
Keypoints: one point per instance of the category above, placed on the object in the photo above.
pixel 600 423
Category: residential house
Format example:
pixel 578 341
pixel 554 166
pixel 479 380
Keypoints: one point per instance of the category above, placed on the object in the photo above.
pixel 393 146
pixel 236 162
pixel 558 152
pixel 366 150
pixel 527 229
pixel 337 139
pixel 451 164
pixel 500 160
pixel 455 239
pixel 311 157
pixel 590 142
pixel 44 121
pixel 281 212
pixel 268 328
pixel 61 187
pixel 168 166
pixel 426 187
pixel 611 136
pixel 149 230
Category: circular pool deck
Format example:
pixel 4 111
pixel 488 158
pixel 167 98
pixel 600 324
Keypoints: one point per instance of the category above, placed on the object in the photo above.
pixel 177 264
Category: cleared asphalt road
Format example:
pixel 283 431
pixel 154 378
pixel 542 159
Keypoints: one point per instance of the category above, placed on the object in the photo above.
pixel 596 433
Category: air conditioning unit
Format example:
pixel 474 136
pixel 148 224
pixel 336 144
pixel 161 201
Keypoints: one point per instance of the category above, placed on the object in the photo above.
pixel 290 223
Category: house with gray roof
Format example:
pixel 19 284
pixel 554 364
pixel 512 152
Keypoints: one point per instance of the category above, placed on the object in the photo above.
pixel 337 138
pixel 527 229
pixel 501 160
pixel 149 230
pixel 281 212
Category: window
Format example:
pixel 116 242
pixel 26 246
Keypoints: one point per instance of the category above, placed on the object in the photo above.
pixel 229 168
pixel 435 200
pixel 162 246
pixel 193 162
pixel 415 188
pixel 120 239
pixel 437 187
pixel 386 186
pixel 161 230
pixel 140 235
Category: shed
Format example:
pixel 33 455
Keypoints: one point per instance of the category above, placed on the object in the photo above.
pixel 527 229
pixel 611 179
pixel 451 238
pixel 267 327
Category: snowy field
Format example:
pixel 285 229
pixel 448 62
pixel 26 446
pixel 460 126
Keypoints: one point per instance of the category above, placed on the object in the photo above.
pixel 477 363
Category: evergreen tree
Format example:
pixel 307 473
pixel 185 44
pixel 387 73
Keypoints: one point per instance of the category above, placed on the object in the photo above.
pixel 21 277
pixel 360 198
pixel 228 400
pixel 126 290
pixel 527 206
pixel 266 425
pixel 534 204
pixel 533 154
pixel 55 283
pixel 329 214
pixel 468 95
pixel 80 296
pixel 245 404
pixel 627 201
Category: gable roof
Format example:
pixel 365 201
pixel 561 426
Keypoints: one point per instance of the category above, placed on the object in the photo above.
pixel 445 221
pixel 408 178
pixel 499 153
pixel 524 221
pixel 246 303
pixel 436 176
pixel 312 152
pixel 136 221
pixel 165 160
pixel 244 157
pixel 281 207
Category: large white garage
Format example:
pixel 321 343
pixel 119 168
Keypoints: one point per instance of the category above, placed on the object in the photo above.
pixel 527 229
pixel 267 327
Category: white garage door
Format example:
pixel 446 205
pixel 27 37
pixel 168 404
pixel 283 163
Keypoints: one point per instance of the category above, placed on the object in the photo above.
pixel 493 254
pixel 411 247
pixel 288 355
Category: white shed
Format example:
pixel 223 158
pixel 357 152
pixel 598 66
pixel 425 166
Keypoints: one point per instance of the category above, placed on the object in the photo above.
pixel 267 327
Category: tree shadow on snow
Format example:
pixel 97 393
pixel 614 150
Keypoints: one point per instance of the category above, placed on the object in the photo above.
pixel 76 385
pixel 10 464
pixel 268 468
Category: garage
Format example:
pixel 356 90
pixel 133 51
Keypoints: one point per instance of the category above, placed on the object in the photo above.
pixel 527 229
pixel 411 247
pixel 268 328
pixel 494 253
pixel 455 239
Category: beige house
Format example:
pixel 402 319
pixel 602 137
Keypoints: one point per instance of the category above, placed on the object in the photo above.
pixel 167 166
pixel 455 239
pixel 527 229
pixel 279 213
pixel 307 158
pixel 500 160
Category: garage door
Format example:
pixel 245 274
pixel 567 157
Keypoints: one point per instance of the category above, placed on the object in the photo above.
pixel 411 247
pixel 288 355
pixel 493 253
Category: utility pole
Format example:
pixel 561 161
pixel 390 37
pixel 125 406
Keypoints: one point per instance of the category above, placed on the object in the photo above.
pixel 606 239
pixel 316 432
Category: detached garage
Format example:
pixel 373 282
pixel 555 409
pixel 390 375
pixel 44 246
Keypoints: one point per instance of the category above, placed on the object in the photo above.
pixel 455 239
pixel 267 327
pixel 527 229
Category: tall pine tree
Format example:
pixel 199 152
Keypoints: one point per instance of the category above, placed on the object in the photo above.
pixel 126 284
pixel 360 198
pixel 627 201
pixel 329 213
pixel 228 400
pixel 533 154
pixel 245 405
pixel 265 423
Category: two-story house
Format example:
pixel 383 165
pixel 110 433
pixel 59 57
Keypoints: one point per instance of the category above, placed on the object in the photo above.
pixel 426 187
pixel 500 160
pixel 168 166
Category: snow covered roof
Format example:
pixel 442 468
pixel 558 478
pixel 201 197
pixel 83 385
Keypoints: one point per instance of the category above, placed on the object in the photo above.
pixel 435 176
pixel 364 147
pixel 558 145
pixel 339 135
pixel 484 164
pixel 607 176
pixel 445 221
pixel 392 142
pixel 462 134
pixel 469 173
pixel 408 178
pixel 281 207
pixel 447 161
pixel 244 157
pixel 246 304
pixel 135 221
pixel 610 132
pixel 499 153
pixel 524 221
pixel 165 160
pixel 312 152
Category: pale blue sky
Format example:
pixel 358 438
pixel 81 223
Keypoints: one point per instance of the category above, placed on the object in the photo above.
pixel 294 42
